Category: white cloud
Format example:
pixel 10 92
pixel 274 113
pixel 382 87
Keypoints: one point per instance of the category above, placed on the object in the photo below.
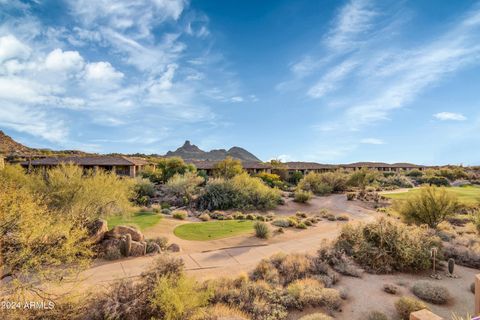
pixel 236 99
pixel 102 71
pixel 330 81
pixel 11 47
pixel 67 61
pixel 372 141
pixel 354 19
pixel 450 116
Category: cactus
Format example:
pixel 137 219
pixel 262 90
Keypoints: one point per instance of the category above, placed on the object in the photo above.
pixel 451 265
pixel 127 244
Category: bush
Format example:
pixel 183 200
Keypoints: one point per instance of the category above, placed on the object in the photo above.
pixel 314 182
pixel 161 241
pixel 302 196
pixel 222 312
pixel 376 315
pixel 228 168
pixel 301 225
pixel 240 192
pixel 185 186
pixel 338 260
pixel 386 245
pixel 430 206
pixel 239 216
pixel 166 211
pixel 250 216
pixel 343 217
pixel 431 292
pixel 178 297
pixel 271 179
pixel 351 196
pixel 331 217
pixel 144 190
pixel 316 316
pixel 180 214
pixel 284 223
pixel 261 230
pixel 407 305
pixel 112 253
pixel 204 217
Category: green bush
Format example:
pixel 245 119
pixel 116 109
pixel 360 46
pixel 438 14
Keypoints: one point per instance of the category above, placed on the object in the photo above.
pixel 161 241
pixel 176 298
pixel 180 214
pixel 284 223
pixel 228 168
pixel 261 230
pixel 387 245
pixel 204 217
pixel 431 292
pixel 407 305
pixel 144 190
pixel 302 196
pixel 430 206
pixel 250 216
pixel 184 186
pixel 314 183
pixel 240 192
pixel 301 225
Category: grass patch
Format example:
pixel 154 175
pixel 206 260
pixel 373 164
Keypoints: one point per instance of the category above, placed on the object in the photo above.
pixel 141 219
pixel 213 229
pixel 469 195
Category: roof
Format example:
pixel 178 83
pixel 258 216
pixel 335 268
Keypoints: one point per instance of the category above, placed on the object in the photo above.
pixel 380 165
pixel 210 164
pixel 88 161
pixel 308 165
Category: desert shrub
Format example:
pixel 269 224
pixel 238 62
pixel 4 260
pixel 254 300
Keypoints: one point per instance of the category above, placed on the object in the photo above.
pixel 176 298
pixel 184 186
pixel 431 292
pixel 301 225
pixel 434 181
pixel 228 168
pixel 261 218
pixel 284 223
pixel 261 230
pixel 300 214
pixel 307 222
pixel 362 178
pixel 167 211
pixel 338 260
pixel 204 217
pixel 239 216
pixel 250 216
pixel 271 179
pixel 415 173
pixel 241 192
pixel 407 305
pixel 351 196
pixel 316 316
pixel 302 196
pixel 280 230
pixel 161 241
pixel 180 214
pixel 396 180
pixel 294 266
pixel 337 180
pixel 306 292
pixel 430 206
pixel 465 251
pixel 390 288
pixel 314 183
pixel 376 315
pixel 265 270
pixel 387 245
pixel 222 312
pixel 331 217
pixel 166 168
pixel 144 190
pixel 343 217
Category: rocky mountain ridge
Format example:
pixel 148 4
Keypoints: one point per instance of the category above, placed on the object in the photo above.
pixel 191 152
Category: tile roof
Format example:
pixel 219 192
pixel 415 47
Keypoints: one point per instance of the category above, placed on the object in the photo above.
pixel 210 164
pixel 88 161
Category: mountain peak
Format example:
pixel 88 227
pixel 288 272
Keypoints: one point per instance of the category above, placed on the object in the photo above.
pixel 190 151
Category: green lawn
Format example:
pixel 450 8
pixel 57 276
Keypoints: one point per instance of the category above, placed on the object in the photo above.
pixel 142 220
pixel 213 229
pixel 467 195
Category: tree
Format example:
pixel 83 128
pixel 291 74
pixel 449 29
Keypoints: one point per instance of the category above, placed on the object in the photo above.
pixel 279 169
pixel 168 167
pixel 430 206
pixel 184 186
pixel 36 243
pixel 362 178
pixel 227 168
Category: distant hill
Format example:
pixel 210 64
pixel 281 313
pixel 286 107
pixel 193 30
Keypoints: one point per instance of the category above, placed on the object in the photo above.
pixel 191 152
pixel 8 146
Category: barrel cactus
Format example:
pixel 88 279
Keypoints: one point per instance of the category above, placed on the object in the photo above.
pixel 451 265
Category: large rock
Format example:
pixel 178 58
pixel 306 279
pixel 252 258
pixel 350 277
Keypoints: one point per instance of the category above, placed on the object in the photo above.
pixel 97 230
pixel 119 231
pixel 174 248
pixel 138 249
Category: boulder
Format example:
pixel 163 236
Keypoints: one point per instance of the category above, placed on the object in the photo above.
pixel 119 231
pixel 138 249
pixel 97 230
pixel 174 248
pixel 108 244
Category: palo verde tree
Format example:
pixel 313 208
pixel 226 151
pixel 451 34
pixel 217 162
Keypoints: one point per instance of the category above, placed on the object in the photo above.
pixel 227 168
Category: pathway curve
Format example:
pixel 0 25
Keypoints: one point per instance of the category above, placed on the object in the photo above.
pixel 231 260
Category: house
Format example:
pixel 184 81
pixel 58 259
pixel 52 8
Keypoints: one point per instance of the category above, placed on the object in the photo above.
pixel 252 167
pixel 306 167
pixel 121 165
pixel 382 166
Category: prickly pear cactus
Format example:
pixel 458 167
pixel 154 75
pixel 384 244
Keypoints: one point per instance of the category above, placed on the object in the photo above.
pixel 451 265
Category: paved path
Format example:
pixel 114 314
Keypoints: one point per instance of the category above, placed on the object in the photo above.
pixel 229 261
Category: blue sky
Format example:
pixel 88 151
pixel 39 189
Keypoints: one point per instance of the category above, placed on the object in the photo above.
pixel 326 81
